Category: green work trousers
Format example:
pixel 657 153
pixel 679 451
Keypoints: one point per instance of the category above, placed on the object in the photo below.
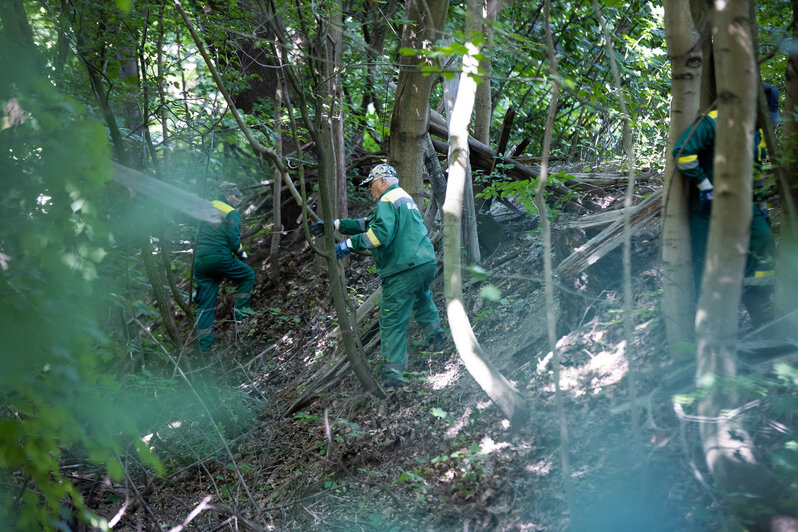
pixel 758 264
pixel 404 294
pixel 209 271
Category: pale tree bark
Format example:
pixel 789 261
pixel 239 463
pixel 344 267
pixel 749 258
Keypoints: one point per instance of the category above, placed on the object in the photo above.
pixel 685 53
pixel 540 201
pixel 496 386
pixel 469 220
pixel 728 448
pixel 410 116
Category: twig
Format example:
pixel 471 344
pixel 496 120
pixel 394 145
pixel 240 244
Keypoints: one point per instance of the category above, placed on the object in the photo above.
pixel 194 513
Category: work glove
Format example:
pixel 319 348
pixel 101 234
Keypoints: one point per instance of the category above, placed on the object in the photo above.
pixel 342 249
pixel 705 196
pixel 317 229
pixel 241 255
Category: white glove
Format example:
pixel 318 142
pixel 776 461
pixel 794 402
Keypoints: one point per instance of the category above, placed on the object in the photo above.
pixel 243 255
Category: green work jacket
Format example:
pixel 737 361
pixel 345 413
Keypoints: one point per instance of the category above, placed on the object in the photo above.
pixel 394 232
pixel 222 236
pixel 695 150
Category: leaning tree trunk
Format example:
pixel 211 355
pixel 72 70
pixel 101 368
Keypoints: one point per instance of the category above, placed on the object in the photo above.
pixel 728 449
pixel 410 117
pixel 511 403
pixel 469 220
pixel 684 50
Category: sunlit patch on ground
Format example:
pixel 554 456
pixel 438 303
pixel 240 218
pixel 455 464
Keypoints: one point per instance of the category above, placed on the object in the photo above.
pixel 447 378
pixel 459 423
pixel 488 445
pixel 541 468
pixel 603 369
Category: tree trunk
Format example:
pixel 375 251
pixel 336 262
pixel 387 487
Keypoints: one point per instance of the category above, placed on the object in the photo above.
pixel 277 210
pixel 332 135
pixel 469 217
pixel 551 318
pixel 410 117
pixel 684 50
pixel 163 302
pixel 728 448
pixel 484 17
pixel 787 265
pixel 509 401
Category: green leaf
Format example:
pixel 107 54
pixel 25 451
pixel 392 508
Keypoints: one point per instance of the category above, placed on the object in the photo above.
pixel 439 412
pixel 490 293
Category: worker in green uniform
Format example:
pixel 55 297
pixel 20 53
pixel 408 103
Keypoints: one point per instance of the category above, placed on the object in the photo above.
pixel 395 234
pixel 694 153
pixel 220 255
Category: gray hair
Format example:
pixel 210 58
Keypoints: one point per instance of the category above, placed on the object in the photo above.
pixel 391 180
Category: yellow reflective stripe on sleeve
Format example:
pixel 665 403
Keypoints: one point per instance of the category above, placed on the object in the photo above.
pixel 688 158
pixel 764 273
pixel 222 206
pixel 373 238
pixel 713 114
pixel 393 195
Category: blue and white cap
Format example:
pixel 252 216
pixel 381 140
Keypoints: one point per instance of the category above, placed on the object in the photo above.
pixel 380 171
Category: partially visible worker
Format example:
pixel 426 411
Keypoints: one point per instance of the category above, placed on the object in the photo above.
pixel 220 256
pixel 395 234
pixel 694 153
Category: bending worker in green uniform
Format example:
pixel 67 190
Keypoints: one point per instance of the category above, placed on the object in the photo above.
pixel 220 255
pixel 694 153
pixel 396 235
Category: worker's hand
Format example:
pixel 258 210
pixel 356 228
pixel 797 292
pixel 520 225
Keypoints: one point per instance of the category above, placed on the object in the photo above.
pixel 705 198
pixel 317 229
pixel 242 255
pixel 342 249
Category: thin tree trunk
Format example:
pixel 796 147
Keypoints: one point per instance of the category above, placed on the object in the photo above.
pixel 164 304
pixel 628 295
pixel 551 319
pixel 684 50
pixel 509 401
pixel 352 347
pixel 277 218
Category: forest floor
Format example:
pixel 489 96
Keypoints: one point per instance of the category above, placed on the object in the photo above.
pixel 438 455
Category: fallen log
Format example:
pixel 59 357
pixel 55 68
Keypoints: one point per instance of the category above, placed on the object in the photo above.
pixel 609 239
pixel 603 218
